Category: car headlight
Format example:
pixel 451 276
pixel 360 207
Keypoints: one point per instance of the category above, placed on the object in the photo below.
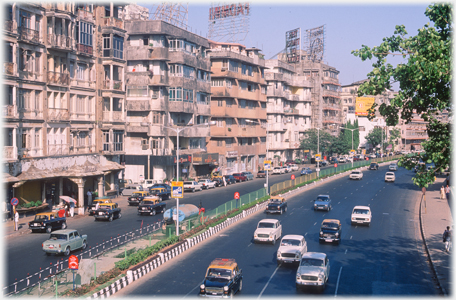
pixel 337 234
pixel 326 205
pixel 202 286
pixel 225 288
pixel 321 232
pixel 320 277
pixel 298 275
pixel 278 253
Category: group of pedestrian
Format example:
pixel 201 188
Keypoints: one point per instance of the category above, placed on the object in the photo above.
pixel 447 238
pixel 445 192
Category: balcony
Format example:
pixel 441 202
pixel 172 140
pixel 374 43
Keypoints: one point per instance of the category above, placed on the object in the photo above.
pixel 84 49
pixel 113 22
pixel 332 119
pixel 61 42
pixel 277 127
pixel 112 148
pixel 8 25
pixel 291 111
pixel 59 149
pixel 58 78
pixel 138 105
pixel 81 149
pixel 29 35
pixel 85 15
pixel 9 152
pixel 82 116
pixel 8 68
pixel 83 83
pixel 188 151
pixel 58 114
pixel 25 113
pixel 116 116
pixel 112 85
pixel 9 111
pixel 329 93
pixel 331 106
pixel 138 127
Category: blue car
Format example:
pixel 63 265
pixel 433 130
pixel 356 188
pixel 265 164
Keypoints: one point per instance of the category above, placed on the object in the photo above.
pixel 306 171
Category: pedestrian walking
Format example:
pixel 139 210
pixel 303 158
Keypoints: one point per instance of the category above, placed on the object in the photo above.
pixel 16 221
pixel 224 181
pixel 447 239
pixel 442 192
pixel 72 209
pixel 89 198
pixel 117 190
pixel 447 192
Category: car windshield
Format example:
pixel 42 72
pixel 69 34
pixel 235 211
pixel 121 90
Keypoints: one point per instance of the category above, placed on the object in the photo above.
pixel 266 225
pixel 40 218
pixel 188 182
pixel 322 198
pixel 290 242
pixel 104 207
pixel 214 272
pixel 312 262
pixel 355 172
pixel 329 225
pixel 361 211
pixel 56 236
pixel 389 174
pixel 373 165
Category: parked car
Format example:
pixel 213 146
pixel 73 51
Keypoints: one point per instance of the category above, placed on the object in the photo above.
pixel 108 211
pixel 105 199
pixel 192 186
pixel 207 183
pixel 261 174
pixel 129 189
pixel 330 231
pixel 223 279
pixel 229 179
pixel 323 163
pixel 356 175
pixel 277 170
pixel 361 215
pixel 294 167
pixel 248 175
pixel 342 159
pixel 313 271
pixel 306 171
pixel 161 190
pixel 322 202
pixel 392 167
pixel 137 197
pixel 151 205
pixel 64 241
pixel 218 181
pixel 292 248
pixel 239 177
pixel 389 176
pixel 276 204
pixel 47 221
pixel 373 166
pixel 124 182
pixel 287 169
pixel 268 230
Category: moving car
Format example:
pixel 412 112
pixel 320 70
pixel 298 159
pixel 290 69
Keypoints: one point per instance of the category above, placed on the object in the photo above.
pixel 323 163
pixel 287 169
pixel 361 215
pixel 229 179
pixel 223 279
pixel 239 177
pixel 342 159
pixel 330 231
pixel 151 205
pixel 105 199
pixel 261 174
pixel 64 241
pixel 313 270
pixel 292 247
pixel 373 166
pixel 276 205
pixel 108 211
pixel 278 170
pixel 137 197
pixel 129 189
pixel 207 183
pixel 248 175
pixel 161 190
pixel 268 230
pixel 306 171
pixel 294 167
pixel 389 176
pixel 322 202
pixel 192 186
pixel 356 175
pixel 47 221
pixel 392 167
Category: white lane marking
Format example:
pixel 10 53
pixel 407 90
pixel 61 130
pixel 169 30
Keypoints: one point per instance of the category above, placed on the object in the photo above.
pixel 337 285
pixel 193 289
pixel 345 197
pixel 250 245
pixel 338 202
pixel 305 234
pixel 386 213
pixel 351 237
pixel 315 223
pixel 346 251
pixel 267 283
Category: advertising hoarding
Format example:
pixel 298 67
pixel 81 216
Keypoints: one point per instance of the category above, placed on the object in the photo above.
pixel 363 104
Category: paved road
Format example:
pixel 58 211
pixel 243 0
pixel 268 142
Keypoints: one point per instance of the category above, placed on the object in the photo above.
pixel 386 259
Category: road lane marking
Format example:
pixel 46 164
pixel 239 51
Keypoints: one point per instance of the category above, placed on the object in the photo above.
pixel 346 251
pixel 315 223
pixel 345 197
pixel 386 213
pixel 351 237
pixel 267 283
pixel 337 284
pixel 194 289
pixel 338 202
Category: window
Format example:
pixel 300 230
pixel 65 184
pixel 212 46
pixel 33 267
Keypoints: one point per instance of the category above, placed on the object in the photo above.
pixel 202 98
pixel 220 103
pixel 229 121
pixel 155 143
pixel 175 94
pixel 229 83
pixel 118 46
pixel 80 104
pixel 228 144
pixel 217 82
pixel 242 103
pixel 219 143
pixel 188 95
pixel 81 139
pixel 85 34
pixel 189 72
pixel 23 99
pixel 250 71
pixel 225 64
pixel 175 70
pixel 157 117
pixel 219 122
pixel 106 45
pixel 25 20
pixel 118 140
pixel 244 69
pixel 81 70
pixel 233 66
pixel 229 102
pixel 176 45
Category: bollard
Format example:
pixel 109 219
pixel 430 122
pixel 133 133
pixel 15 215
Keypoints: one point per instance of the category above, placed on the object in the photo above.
pixel 95 271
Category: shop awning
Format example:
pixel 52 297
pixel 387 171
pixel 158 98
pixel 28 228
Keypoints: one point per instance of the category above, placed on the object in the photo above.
pixel 10 179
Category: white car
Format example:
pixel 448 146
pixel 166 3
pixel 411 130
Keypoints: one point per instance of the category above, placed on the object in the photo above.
pixel 150 182
pixel 389 176
pixel 356 175
pixel 294 167
pixel 207 183
pixel 341 159
pixel 192 186
pixel 277 170
pixel 361 215
pixel 286 169
pixel 268 230
pixel 313 270
pixel 292 248
pixel 393 167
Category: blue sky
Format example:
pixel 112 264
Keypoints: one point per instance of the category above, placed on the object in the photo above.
pixel 348 27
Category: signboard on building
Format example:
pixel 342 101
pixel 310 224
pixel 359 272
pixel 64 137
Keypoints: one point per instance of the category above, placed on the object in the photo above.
pixel 293 45
pixel 230 10
pixel 315 43
pixel 205 158
pixel 231 153
pixel 183 159
pixel 363 104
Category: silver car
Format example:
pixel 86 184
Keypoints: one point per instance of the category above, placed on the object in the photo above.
pixel 64 241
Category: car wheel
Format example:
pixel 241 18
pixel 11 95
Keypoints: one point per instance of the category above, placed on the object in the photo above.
pixel 152 213
pixel 193 190
pixel 84 245
pixel 67 251
pixel 281 211
pixel 274 241
pixel 231 294
pixel 240 285
pixel 64 225
pixel 48 229
pixel 119 216
pixel 110 218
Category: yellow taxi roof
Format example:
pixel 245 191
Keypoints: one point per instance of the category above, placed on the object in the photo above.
pixel 102 200
pixel 157 188
pixel 140 192
pixel 276 198
pixel 223 263
pixel 107 204
pixel 331 221
pixel 49 214
pixel 151 199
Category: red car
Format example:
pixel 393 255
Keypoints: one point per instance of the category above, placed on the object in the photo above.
pixel 239 177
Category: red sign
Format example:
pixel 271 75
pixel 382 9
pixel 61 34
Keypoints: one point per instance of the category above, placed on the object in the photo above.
pixel 335 165
pixel 236 195
pixel 324 157
pixel 73 262
pixel 292 176
pixel 14 201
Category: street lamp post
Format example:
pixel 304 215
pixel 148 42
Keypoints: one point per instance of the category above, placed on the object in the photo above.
pixel 352 138
pixel 177 131
pixel 267 148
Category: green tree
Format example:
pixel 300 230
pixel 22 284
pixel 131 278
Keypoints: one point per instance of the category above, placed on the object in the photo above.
pixel 394 135
pixel 374 137
pixel 339 145
pixel 356 136
pixel 310 140
pixel 424 80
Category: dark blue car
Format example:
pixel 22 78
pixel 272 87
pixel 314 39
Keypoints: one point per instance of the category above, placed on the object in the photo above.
pixel 306 171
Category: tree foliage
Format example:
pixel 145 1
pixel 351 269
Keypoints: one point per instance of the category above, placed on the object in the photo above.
pixel 394 135
pixel 424 80
pixel 310 140
pixel 374 137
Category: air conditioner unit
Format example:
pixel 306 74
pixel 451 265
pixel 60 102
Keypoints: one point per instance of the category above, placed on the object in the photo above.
pixel 224 69
pixel 145 147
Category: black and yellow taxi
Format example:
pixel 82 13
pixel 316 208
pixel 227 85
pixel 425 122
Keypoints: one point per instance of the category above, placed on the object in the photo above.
pixel 151 205
pixel 48 221
pixel 137 197
pixel 107 211
pixel 223 279
pixel 99 201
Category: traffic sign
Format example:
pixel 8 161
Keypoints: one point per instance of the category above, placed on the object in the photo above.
pixel 317 157
pixel 292 176
pixel 14 201
pixel 335 165
pixel 177 189
pixel 237 195
pixel 73 262
pixel 267 165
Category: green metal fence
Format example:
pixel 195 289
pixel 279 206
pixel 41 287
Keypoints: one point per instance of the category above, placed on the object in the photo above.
pixel 329 171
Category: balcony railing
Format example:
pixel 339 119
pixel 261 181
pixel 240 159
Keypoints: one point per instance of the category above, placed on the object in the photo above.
pixel 59 41
pixel 8 25
pixel 8 68
pixel 8 111
pixel 29 34
pixel 58 149
pixel 58 78
pixel 85 49
pixel 58 114
pixel 9 152
pixel 112 85
pixel 83 83
pixel 111 21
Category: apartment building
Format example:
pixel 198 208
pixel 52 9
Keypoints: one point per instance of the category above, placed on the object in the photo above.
pixel 289 110
pixel 238 106
pixel 167 102
pixel 52 142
